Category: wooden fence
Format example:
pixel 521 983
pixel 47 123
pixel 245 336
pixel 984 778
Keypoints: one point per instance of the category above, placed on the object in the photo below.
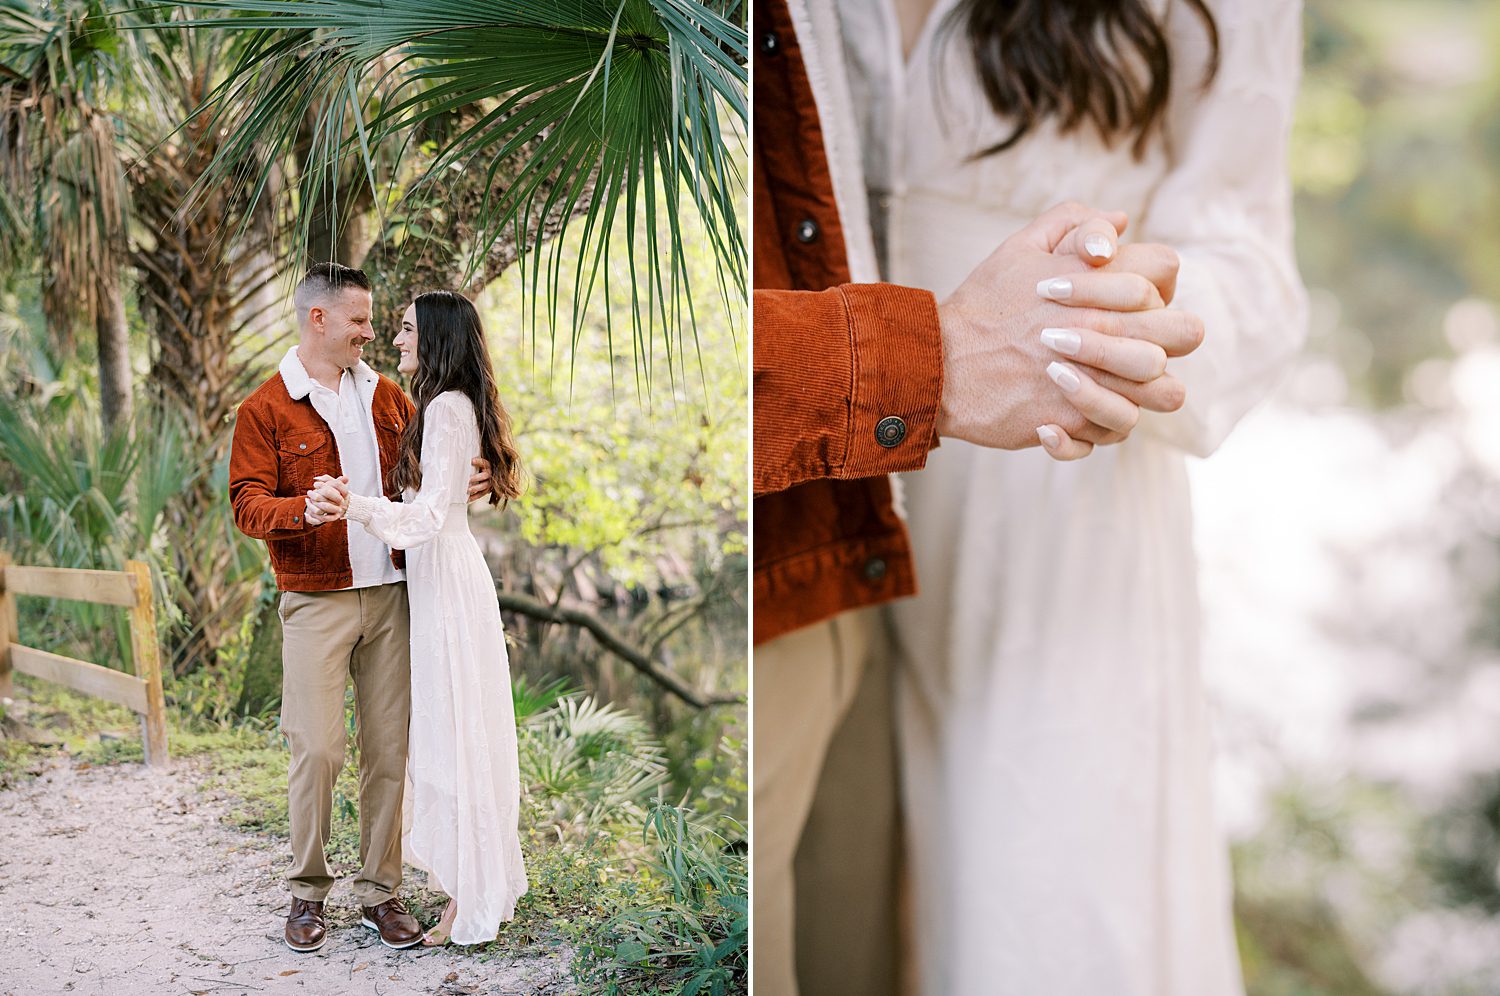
pixel 130 588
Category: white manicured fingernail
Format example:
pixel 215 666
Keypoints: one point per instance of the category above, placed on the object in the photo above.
pixel 1064 377
pixel 1065 341
pixel 1048 436
pixel 1099 246
pixel 1055 288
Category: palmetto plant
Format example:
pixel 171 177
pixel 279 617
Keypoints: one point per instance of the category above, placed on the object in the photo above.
pixel 586 765
pixel 589 112
pixel 87 499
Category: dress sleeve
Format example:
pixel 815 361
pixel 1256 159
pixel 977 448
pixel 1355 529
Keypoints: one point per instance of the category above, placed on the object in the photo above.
pixel 446 445
pixel 1226 208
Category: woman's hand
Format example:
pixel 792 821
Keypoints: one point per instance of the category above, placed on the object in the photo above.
pixel 1126 360
pixel 329 497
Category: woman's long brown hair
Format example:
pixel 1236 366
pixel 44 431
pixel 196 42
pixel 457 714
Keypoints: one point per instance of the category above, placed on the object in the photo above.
pixel 452 355
pixel 1078 61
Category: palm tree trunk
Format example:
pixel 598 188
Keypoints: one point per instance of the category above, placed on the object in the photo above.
pixel 115 403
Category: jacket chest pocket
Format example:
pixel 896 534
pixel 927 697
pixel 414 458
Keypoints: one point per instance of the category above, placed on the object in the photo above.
pixel 305 455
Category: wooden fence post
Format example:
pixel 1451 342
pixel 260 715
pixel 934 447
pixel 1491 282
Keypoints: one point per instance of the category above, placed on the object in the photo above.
pixel 147 654
pixel 10 628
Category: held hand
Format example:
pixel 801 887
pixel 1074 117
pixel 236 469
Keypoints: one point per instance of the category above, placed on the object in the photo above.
pixel 311 515
pixel 479 484
pixel 1003 384
pixel 1131 367
pixel 330 497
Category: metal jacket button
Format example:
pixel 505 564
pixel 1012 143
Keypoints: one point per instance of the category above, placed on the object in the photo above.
pixel 890 431
pixel 874 569
pixel 769 43
pixel 807 230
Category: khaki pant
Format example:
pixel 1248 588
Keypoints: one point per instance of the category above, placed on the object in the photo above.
pixel 327 638
pixel 825 843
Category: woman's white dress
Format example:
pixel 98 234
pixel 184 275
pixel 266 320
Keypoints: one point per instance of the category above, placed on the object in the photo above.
pixel 463 777
pixel 1055 737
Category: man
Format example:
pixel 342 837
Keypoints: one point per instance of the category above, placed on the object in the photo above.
pixel 343 601
pixel 855 380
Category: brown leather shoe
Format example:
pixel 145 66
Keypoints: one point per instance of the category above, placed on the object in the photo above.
pixel 397 928
pixel 306 930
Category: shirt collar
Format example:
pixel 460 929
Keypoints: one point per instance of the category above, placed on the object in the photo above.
pixel 299 383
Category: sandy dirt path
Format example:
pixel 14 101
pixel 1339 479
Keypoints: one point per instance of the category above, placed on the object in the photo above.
pixel 119 881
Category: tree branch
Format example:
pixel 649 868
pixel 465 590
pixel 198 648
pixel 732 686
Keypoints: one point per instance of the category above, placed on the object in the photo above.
pixel 617 645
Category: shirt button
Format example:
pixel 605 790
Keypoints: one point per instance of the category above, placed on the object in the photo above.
pixel 874 569
pixel 769 43
pixel 890 431
pixel 807 231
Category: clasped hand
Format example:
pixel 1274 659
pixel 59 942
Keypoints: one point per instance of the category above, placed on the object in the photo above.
pixel 1062 335
pixel 328 499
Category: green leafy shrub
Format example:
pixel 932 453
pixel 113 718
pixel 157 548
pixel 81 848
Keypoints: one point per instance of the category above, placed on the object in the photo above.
pixel 696 935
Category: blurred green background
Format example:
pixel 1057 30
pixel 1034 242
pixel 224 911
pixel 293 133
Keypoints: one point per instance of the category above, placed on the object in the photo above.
pixel 1350 532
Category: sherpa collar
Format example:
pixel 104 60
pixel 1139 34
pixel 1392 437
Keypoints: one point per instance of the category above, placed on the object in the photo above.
pixel 299 384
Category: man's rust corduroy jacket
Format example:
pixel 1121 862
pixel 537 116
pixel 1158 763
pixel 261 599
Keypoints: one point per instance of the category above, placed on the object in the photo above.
pixel 280 445
pixel 847 377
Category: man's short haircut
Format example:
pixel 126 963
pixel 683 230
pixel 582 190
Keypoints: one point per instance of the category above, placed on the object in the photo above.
pixel 323 281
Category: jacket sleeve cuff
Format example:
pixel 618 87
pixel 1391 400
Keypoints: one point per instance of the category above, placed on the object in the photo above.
pixel 897 378
pixel 289 515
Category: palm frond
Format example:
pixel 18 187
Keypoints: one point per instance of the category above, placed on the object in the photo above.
pixel 599 112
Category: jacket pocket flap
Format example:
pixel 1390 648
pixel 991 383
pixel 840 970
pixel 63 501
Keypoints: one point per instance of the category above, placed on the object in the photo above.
pixel 303 443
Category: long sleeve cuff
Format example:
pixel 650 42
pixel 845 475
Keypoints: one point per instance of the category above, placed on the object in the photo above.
pixel 898 378
pixel 848 382
pixel 361 508
pixel 288 515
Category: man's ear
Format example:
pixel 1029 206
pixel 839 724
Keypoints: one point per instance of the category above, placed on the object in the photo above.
pixel 315 317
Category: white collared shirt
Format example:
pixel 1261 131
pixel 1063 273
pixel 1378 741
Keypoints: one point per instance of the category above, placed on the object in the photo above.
pixel 347 412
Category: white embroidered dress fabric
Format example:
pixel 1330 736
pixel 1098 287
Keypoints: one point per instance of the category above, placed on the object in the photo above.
pixel 463 776
pixel 1055 736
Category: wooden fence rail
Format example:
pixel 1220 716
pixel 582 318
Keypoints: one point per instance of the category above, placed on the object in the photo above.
pixel 130 588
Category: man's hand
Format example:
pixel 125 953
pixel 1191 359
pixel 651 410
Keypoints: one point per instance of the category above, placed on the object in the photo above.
pixel 479 484
pixel 311 515
pixel 1066 347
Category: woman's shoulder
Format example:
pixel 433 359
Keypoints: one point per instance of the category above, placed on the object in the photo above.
pixel 456 402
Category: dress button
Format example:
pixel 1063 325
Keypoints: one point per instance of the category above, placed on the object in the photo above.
pixel 874 569
pixel 890 431
pixel 807 230
pixel 769 43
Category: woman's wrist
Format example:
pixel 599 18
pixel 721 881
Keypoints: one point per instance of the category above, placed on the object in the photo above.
pixel 360 508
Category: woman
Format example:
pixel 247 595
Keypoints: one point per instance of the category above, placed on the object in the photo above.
pixel 1054 732
pixel 463 779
